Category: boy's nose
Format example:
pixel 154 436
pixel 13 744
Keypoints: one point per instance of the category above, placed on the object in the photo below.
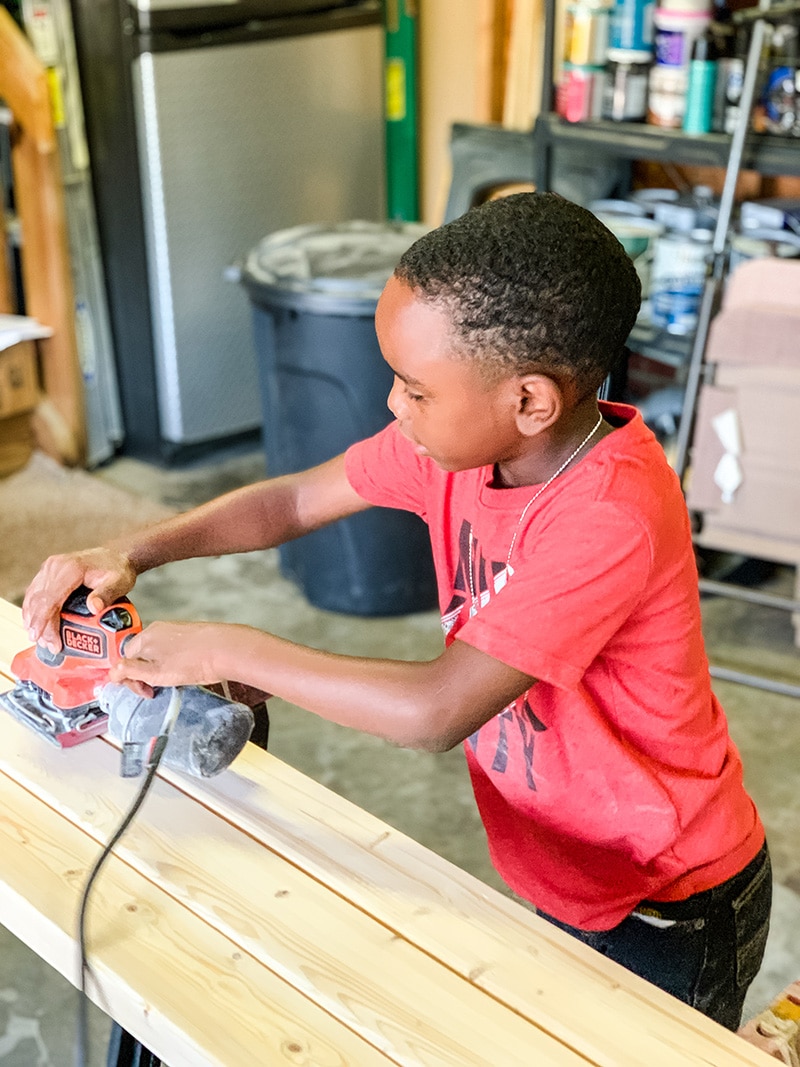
pixel 394 401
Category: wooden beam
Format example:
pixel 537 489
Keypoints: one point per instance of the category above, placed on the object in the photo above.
pixel 523 73
pixel 265 880
pixel 23 84
pixel 492 47
pixel 60 419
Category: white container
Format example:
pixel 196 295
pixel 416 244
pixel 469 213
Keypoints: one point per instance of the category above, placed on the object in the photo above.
pixel 675 33
pixel 687 5
pixel 666 96
pixel 744 248
pixel 680 265
pixel 638 236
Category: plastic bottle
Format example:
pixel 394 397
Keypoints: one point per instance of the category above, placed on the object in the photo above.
pixel 732 46
pixel 632 25
pixel 675 34
pixel 781 95
pixel 699 114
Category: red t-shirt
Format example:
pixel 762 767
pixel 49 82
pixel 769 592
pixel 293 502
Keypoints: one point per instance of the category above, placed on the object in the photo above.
pixel 614 778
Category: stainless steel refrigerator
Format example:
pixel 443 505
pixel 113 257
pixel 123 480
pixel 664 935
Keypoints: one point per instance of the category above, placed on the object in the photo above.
pixel 211 126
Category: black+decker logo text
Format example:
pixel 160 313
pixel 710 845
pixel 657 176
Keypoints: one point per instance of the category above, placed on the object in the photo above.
pixel 83 642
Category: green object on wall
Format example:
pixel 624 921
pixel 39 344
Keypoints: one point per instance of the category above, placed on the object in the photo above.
pixel 402 180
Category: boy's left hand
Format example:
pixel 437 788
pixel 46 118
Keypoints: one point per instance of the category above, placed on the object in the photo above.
pixel 169 653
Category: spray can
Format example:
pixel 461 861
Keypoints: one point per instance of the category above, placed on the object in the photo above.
pixel 729 82
pixel 699 113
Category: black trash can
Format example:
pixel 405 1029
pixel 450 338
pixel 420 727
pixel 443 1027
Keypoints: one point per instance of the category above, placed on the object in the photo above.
pixel 324 385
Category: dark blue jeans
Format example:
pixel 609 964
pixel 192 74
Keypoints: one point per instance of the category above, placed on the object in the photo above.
pixel 705 950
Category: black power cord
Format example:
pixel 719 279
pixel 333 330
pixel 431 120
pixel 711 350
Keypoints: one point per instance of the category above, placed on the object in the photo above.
pixel 156 753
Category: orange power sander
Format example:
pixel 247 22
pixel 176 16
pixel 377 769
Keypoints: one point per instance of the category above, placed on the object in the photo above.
pixel 66 697
pixel 56 693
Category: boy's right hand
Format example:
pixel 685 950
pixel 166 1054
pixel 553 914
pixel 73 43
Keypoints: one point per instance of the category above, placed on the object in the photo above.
pixel 107 572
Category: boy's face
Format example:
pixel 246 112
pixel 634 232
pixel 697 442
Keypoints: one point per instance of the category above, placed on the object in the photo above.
pixel 441 402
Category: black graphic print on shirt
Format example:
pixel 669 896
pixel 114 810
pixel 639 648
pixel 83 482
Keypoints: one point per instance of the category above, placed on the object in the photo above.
pixel 488 578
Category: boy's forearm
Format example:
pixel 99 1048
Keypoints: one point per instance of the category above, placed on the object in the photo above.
pixel 247 519
pixel 432 705
pixel 374 696
pixel 257 516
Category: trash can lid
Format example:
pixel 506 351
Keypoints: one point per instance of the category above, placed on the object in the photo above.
pixel 338 268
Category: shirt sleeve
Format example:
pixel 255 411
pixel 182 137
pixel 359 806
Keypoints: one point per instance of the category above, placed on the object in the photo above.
pixel 568 596
pixel 385 470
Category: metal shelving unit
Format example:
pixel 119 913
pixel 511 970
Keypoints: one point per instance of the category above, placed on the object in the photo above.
pixel 743 149
pixel 765 153
pixel 762 152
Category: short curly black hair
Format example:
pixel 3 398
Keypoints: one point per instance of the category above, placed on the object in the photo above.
pixel 532 283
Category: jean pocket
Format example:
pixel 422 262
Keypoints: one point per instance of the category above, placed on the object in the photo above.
pixel 751 910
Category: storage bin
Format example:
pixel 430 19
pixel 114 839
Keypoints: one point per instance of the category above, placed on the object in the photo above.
pixel 324 386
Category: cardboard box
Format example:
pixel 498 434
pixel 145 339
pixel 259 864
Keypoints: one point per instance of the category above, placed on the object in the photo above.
pixel 756 336
pixel 748 420
pixel 16 443
pixel 19 379
pixel 768 282
pixel 766 413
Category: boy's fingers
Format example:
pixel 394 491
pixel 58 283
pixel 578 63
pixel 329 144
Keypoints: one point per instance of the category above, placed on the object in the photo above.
pixel 42 619
pixel 106 591
pixel 141 689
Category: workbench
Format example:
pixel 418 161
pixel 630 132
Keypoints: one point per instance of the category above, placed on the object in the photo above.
pixel 258 918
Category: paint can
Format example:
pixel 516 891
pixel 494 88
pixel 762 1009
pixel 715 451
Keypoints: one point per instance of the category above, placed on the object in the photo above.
pixel 743 247
pixel 638 236
pixel 680 265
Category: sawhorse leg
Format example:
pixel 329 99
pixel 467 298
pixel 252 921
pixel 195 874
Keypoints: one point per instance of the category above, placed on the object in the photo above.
pixel 125 1051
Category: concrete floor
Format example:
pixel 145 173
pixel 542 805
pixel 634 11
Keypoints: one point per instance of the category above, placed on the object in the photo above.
pixel 425 796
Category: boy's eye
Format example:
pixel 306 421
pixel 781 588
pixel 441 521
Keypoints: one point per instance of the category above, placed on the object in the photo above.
pixel 413 396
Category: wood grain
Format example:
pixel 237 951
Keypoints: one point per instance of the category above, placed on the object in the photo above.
pixel 260 910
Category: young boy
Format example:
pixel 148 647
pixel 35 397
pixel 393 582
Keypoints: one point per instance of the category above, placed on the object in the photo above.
pixel 574 669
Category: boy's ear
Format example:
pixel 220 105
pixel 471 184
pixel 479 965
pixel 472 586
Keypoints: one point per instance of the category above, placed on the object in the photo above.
pixel 540 403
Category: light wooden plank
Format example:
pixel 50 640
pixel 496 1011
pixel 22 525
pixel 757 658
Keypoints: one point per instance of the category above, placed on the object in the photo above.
pixel 13 637
pixel 530 965
pixel 590 1004
pixel 516 107
pixel 60 418
pixel 12 615
pixel 192 996
pixel 396 997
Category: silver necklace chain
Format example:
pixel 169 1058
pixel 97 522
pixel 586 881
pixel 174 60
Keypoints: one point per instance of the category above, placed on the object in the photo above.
pixel 525 510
